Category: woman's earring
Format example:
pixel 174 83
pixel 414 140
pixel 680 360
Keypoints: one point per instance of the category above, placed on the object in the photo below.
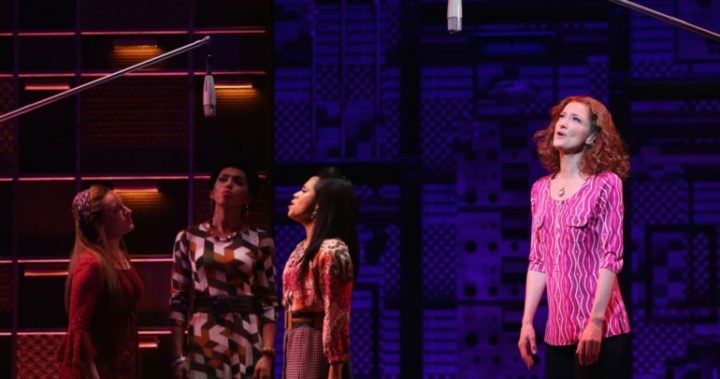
pixel 314 214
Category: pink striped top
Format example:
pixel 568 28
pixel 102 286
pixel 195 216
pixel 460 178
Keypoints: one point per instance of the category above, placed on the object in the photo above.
pixel 571 241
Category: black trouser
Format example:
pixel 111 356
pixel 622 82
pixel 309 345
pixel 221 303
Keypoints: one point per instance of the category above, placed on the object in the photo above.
pixel 561 362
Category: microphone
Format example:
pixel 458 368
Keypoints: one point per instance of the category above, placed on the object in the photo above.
pixel 454 16
pixel 209 100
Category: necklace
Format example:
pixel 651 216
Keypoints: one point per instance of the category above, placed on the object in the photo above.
pixel 561 191
pixel 216 232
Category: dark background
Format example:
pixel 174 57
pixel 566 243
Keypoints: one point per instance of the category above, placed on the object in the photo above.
pixel 435 130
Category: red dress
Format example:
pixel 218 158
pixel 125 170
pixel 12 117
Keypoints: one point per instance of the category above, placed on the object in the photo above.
pixel 101 327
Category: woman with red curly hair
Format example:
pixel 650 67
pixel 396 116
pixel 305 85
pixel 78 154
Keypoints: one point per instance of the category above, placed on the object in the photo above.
pixel 576 246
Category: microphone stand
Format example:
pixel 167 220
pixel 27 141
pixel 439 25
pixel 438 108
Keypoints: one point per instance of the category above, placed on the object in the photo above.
pixel 101 80
pixel 669 19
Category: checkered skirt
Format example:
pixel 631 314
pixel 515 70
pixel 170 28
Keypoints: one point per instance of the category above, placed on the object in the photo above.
pixel 304 357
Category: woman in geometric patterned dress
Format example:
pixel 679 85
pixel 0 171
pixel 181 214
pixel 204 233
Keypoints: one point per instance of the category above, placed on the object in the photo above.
pixel 223 288
pixel 576 246
pixel 318 279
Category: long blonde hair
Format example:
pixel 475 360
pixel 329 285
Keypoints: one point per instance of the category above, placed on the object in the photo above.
pixel 90 238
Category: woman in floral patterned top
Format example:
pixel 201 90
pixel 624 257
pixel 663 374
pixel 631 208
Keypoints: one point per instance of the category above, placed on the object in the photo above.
pixel 318 279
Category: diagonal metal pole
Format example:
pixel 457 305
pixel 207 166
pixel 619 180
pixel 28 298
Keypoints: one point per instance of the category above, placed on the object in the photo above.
pixel 670 19
pixel 101 80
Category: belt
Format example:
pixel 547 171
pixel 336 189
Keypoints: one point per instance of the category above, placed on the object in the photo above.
pixel 220 305
pixel 312 319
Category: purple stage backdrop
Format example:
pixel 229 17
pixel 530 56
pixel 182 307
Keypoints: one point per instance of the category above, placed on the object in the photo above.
pixel 434 129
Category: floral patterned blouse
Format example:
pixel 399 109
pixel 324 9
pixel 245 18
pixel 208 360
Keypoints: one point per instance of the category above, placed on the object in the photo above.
pixel 333 268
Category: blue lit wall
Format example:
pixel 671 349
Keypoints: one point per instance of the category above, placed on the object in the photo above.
pixel 341 68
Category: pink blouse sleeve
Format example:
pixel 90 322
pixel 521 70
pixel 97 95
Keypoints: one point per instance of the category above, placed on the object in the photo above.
pixel 336 281
pixel 536 257
pixel 85 287
pixel 611 210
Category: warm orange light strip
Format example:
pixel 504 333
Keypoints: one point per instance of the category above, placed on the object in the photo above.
pixel 233 86
pixel 44 273
pixel 60 260
pixel 148 344
pixel 49 179
pixel 41 75
pixel 137 190
pixel 156 332
pixel 152 260
pixel 140 47
pixel 46 87
pixel 142 73
pixel 45 34
pixel 44 333
pixel 66 260
pixel 232 31
pixel 148 341
pixel 180 73
pixel 130 33
pixel 90 178
pixel 175 32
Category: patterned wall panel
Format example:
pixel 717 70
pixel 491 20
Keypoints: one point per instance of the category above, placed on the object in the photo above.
pixel 674 261
pixel 346 114
pixel 131 124
pixel 439 247
pixel 6 220
pixel 293 115
pixel 6 288
pixel 6 129
pixel 446 98
pixel 36 356
pixel 135 14
pixel 51 235
pixel 673 195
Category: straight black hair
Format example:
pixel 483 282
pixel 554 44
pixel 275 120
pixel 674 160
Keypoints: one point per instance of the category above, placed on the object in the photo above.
pixel 337 214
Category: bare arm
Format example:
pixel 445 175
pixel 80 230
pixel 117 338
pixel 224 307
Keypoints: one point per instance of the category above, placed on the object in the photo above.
pixel 588 350
pixel 534 288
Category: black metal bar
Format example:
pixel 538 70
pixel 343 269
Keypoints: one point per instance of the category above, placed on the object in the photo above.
pixel 104 79
pixel 669 19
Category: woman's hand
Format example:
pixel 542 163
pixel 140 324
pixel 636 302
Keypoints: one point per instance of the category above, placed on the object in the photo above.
pixel 263 368
pixel 335 371
pixel 90 370
pixel 180 371
pixel 527 344
pixel 588 350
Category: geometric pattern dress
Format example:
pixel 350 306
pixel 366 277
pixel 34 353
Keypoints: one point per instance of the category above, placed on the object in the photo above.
pixel 223 344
